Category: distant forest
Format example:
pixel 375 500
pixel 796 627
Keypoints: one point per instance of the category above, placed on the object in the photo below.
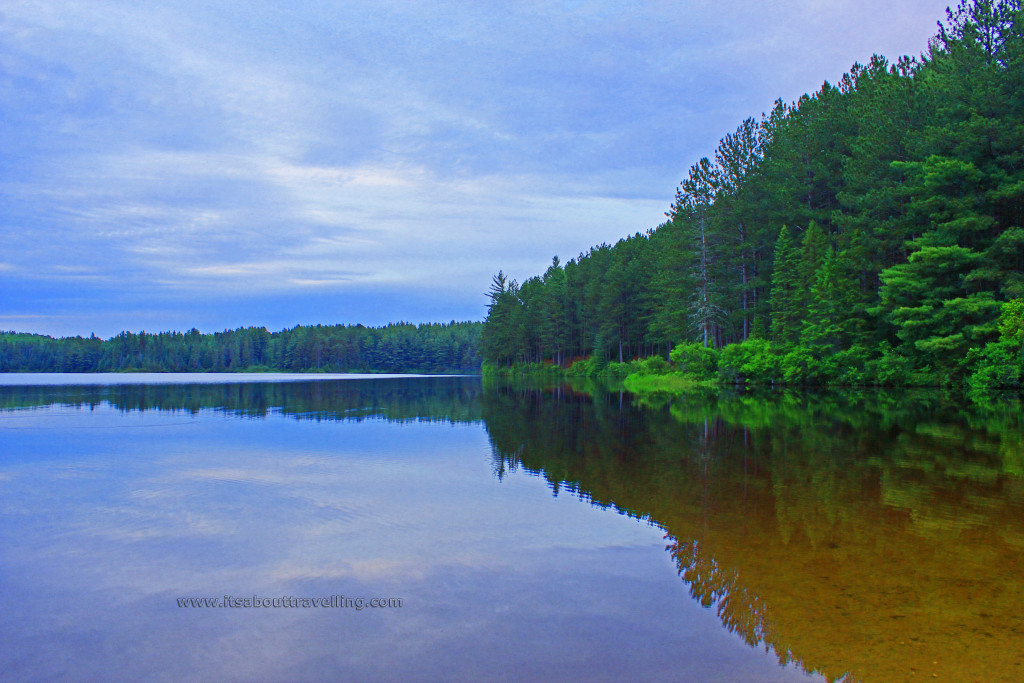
pixel 868 233
pixel 401 347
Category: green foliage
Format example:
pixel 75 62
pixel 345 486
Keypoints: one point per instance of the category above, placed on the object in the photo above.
pixel 995 367
pixel 904 188
pixel 670 383
pixel 586 367
pixel 655 365
pixel 401 347
pixel 594 367
pixel 522 370
pixel 785 297
pixel 614 369
pixel 696 360
pixel 813 251
pixel 1011 323
pixel 849 367
pixel 800 366
pixel 1001 365
pixel 937 314
pixel 890 368
pixel 751 361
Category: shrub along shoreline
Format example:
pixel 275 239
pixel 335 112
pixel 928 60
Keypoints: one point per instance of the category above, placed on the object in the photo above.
pixel 998 365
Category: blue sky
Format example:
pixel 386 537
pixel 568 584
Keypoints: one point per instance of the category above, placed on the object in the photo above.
pixel 223 164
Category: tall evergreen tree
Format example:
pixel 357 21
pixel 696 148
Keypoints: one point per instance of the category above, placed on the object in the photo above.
pixel 785 295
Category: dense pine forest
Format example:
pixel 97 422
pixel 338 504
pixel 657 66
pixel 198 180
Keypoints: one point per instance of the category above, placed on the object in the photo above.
pixel 870 233
pixel 402 347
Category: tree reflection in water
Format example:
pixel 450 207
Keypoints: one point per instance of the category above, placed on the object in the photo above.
pixel 865 536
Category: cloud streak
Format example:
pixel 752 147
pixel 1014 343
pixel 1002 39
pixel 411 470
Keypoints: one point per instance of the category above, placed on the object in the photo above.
pixel 177 159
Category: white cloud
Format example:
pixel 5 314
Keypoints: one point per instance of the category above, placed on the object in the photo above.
pixel 258 148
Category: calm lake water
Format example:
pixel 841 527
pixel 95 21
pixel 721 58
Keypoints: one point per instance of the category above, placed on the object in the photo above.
pixel 530 534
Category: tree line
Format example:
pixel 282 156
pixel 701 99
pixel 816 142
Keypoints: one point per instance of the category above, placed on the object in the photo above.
pixel 398 347
pixel 870 232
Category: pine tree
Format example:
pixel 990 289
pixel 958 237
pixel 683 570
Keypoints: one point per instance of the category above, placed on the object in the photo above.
pixel 785 297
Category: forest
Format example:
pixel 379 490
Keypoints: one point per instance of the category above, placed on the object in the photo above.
pixel 400 347
pixel 867 234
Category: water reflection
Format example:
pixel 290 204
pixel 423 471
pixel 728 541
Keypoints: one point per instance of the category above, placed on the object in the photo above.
pixel 873 536
pixel 447 399
pixel 864 536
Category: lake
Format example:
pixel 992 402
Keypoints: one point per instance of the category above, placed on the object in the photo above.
pixel 448 528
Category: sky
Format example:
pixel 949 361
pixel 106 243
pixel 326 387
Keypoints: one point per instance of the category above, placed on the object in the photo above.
pixel 169 165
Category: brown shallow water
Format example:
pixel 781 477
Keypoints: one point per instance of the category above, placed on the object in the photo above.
pixel 876 537
pixel 532 533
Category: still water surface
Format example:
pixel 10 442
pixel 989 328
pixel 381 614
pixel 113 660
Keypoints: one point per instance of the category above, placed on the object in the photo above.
pixel 531 534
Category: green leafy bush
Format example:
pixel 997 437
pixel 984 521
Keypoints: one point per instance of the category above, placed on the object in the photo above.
pixel 1000 365
pixel 583 368
pixel 751 361
pixel 800 366
pixel 696 360
pixel 652 365
pixel 889 368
